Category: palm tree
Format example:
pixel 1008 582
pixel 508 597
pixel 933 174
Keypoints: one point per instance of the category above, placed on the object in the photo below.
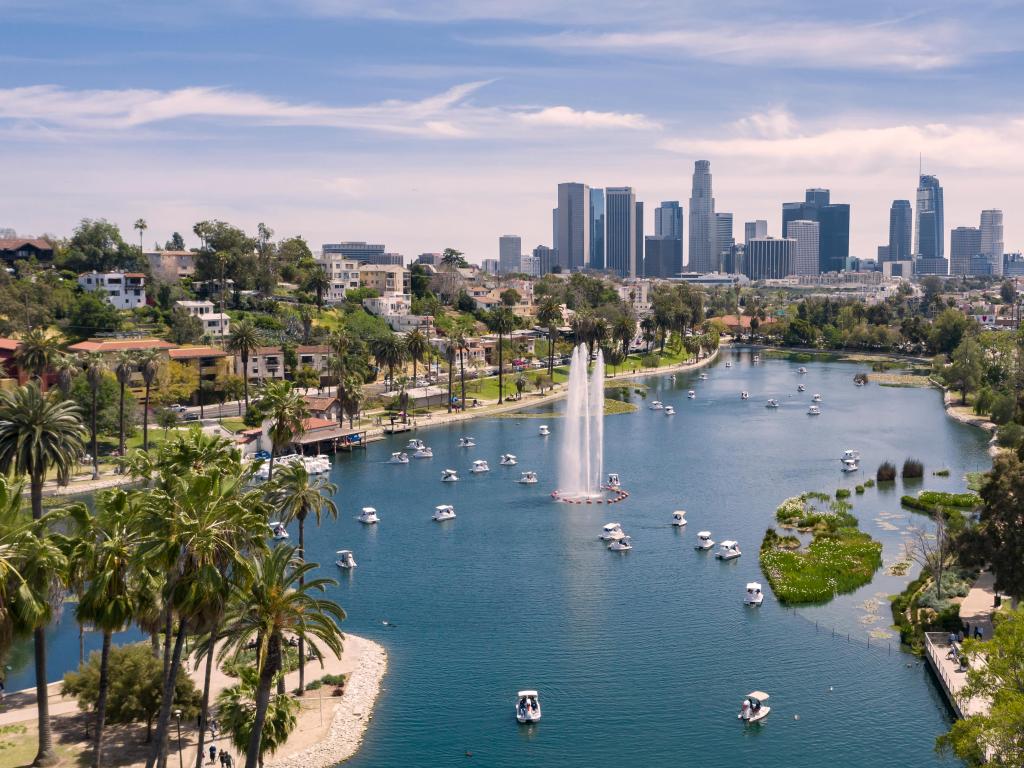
pixel 277 603
pixel 124 367
pixel 142 226
pixel 388 352
pixel 549 315
pixel 236 710
pixel 416 347
pixel 149 362
pixel 306 318
pixel 37 353
pixel 66 368
pixel 503 322
pixel 623 330
pixel 104 554
pixel 649 329
pixel 280 402
pixel 244 341
pixel 39 433
pixel 460 339
pixel 339 343
pixel 17 546
pixel 95 369
pixel 353 397
pixel 318 282
pixel 449 356
pixel 295 497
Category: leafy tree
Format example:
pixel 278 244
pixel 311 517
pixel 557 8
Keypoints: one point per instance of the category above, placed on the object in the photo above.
pixel 503 322
pixel 453 258
pixel 98 245
pixel 465 303
pixel 388 352
pixel 307 377
pixel 319 283
pixel 419 280
pixel 175 383
pixel 185 328
pixel 37 352
pixel 293 251
pixel 91 314
pixel 233 387
pixel 416 348
pixel 166 419
pixel 800 333
pixel 964 373
pixel 995 671
pixel 1008 292
pixel 176 243
pixel 236 712
pixel 510 297
pixel 998 538
pixel 107 393
pixel 948 330
pixel 135 687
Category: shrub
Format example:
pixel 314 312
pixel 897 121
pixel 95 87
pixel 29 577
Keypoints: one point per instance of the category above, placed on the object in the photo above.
pixel 1003 407
pixel 1010 435
pixel 983 401
pixel 912 469
pixel 869 483
pixel 842 493
pixel 859 489
pixel 886 472
pixel 650 361
pixel 941 473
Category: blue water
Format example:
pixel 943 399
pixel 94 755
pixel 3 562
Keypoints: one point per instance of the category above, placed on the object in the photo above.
pixel 640 657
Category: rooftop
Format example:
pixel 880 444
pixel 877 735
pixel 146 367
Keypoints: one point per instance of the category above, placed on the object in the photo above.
pixel 119 345
pixel 191 353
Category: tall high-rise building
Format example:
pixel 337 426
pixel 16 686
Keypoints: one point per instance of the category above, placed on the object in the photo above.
pixel 620 229
pixel 663 256
pixel 802 211
pixel 572 226
pixel 510 254
pixel 668 219
pixel 724 240
pixel 544 260
pixel 768 258
pixel 929 237
pixel 756 229
pixel 805 237
pixel 597 225
pixel 900 225
pixel 992 238
pixel 638 263
pixel 834 230
pixel 817 197
pixel 702 219
pixel 964 245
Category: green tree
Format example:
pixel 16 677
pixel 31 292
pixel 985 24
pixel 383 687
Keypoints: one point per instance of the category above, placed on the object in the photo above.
pixel 244 341
pixel 965 371
pixel 281 403
pixel 233 387
pixel 135 687
pixel 307 377
pixel 96 244
pixel 998 537
pixel 141 226
pixel 317 282
pixel 510 297
pixel 416 348
pixel 352 397
pixel 175 383
pixel 66 368
pixel 236 712
pixel 296 496
pixel 185 328
pixel 549 315
pixel 91 315
pixel 388 352
pixel 124 367
pixel 501 321
pixel 274 605
pixel 39 434
pixel 37 353
pixel 150 362
pixel 948 331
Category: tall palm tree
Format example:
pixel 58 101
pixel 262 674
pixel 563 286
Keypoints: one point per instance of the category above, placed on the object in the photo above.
pixel 461 341
pixel 142 226
pixel 648 328
pixel 280 602
pixel 244 341
pixel 353 397
pixel 39 433
pixel 236 710
pixel 149 362
pixel 295 497
pixel 104 553
pixel 124 367
pixel 549 315
pixel 449 356
pixel 320 283
pixel 37 353
pixel 416 348
pixel 623 330
pixel 66 368
pixel 95 368
pixel 388 352
pixel 339 343
pixel 280 402
pixel 503 322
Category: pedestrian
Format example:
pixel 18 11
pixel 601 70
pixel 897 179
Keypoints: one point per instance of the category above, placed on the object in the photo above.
pixel 213 754
pixel 224 758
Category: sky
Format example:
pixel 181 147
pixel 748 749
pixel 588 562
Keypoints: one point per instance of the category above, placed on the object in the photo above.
pixel 424 125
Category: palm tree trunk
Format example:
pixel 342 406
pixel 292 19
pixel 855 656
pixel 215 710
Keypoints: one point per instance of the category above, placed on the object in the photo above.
pixel 501 380
pixel 101 702
pixel 158 753
pixel 551 355
pixel 81 643
pixel 204 718
pixel 245 379
pixel 302 580
pixel 145 421
pixel 462 378
pixel 120 423
pixel 267 674
pixel 46 755
pixel 451 377
pixel 199 370
pixel 95 457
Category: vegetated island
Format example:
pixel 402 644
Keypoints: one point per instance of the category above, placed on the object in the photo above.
pixel 840 557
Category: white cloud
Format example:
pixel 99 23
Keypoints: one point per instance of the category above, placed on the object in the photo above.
pixel 446 115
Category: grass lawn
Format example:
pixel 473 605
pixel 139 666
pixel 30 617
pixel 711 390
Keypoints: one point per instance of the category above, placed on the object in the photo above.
pixel 234 424
pixel 19 744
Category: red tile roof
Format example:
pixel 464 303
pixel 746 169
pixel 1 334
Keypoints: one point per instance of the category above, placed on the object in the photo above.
pixel 314 423
pixel 9 345
pixel 319 403
pixel 190 353
pixel 119 345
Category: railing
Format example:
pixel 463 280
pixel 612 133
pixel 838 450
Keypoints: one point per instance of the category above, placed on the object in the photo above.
pixel 937 647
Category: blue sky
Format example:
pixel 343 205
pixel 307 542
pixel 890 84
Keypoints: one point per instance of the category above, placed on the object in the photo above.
pixel 429 124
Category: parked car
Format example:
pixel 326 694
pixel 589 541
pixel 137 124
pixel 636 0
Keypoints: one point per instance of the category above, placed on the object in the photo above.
pixel 177 408
pixel 191 417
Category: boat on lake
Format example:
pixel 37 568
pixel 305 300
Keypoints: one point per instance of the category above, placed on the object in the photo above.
pixel 479 466
pixel 656 406
pixel 621 545
pixel 704 541
pixel 670 411
pixel 703 377
pixel 744 395
pixel 345 559
pixel 753 709
pixel 399 457
pixel 801 369
pixel 527 707
pixel 816 398
pixel 449 476
pixel 423 452
pixel 278 531
pixel 368 516
pixel 728 550
pixel 508 460
pixel 613 481
pixel 772 403
pixel 443 512
pixel 800 388
pixel 466 442
pixel 414 445
pixel 543 430
pixel 754 595
pixel 612 532
pixel 814 411
pixel 527 478
pixel 679 518
pixel 691 394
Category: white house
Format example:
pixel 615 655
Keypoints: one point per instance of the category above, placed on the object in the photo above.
pixel 124 290
pixel 343 274
pixel 214 323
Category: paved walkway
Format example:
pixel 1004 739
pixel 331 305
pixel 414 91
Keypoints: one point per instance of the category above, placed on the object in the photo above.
pixel 952 678
pixel 977 607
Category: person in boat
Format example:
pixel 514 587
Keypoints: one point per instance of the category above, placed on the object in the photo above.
pixel 757 706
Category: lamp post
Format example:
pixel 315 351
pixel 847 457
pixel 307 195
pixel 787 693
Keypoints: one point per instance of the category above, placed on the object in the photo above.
pixel 177 717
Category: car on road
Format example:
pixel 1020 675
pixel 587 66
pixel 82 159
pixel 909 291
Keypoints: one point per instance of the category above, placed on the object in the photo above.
pixel 191 417
pixel 177 408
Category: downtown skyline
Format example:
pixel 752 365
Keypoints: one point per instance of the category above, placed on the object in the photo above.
pixel 326 120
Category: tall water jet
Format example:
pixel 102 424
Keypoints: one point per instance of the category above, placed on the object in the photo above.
pixel 581 458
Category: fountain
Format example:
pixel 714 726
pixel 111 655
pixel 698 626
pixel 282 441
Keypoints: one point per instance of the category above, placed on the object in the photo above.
pixel 581 458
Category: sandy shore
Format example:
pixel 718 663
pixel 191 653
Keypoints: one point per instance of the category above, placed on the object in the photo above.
pixel 966 415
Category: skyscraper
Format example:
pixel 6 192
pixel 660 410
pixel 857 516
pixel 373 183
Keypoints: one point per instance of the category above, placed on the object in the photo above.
pixel 900 226
pixel 572 226
pixel 724 241
pixel 756 229
pixel 620 228
pixel 768 258
pixel 805 255
pixel 817 197
pixel 510 254
pixel 964 245
pixel 638 261
pixel 702 219
pixel 834 230
pixel 544 259
pixel 930 233
pixel 663 256
pixel 668 219
pixel 597 220
pixel 992 239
